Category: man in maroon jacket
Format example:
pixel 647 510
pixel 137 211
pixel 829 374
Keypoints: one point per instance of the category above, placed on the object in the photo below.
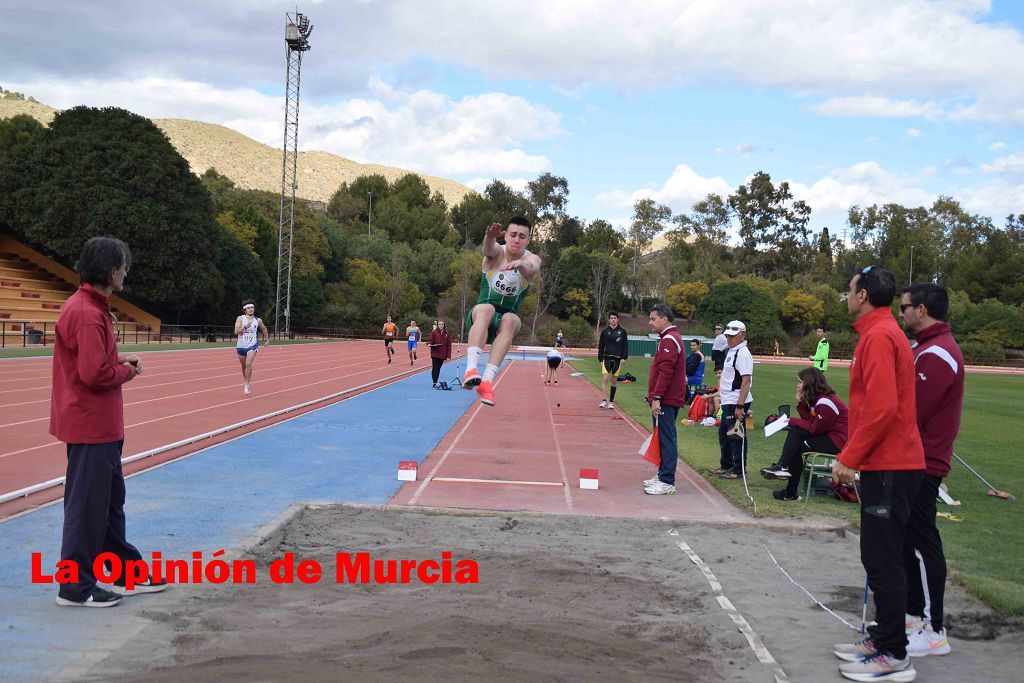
pixel 940 396
pixel 666 392
pixel 87 413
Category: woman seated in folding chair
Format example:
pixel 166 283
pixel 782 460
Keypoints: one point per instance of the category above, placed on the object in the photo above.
pixel 821 428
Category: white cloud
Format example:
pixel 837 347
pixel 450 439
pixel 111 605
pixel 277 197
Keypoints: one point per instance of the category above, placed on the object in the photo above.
pixel 996 200
pixel 913 132
pixel 997 145
pixel 419 130
pixel 1008 165
pixel 480 184
pixel 877 106
pixel 862 184
pixel 682 189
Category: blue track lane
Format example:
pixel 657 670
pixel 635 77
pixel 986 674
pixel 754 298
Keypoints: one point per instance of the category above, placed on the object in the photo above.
pixel 214 500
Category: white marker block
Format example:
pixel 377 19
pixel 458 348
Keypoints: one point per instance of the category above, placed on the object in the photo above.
pixel 588 479
pixel 407 470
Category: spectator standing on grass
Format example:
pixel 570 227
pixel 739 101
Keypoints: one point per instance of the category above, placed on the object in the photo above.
pixel 440 343
pixel 820 357
pixel 939 387
pixel 885 447
pixel 734 390
pixel 612 352
pixel 666 393
pixel 87 413
pixel 821 427
pixel 719 347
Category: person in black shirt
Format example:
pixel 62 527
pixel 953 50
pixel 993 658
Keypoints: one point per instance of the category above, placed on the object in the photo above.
pixel 612 352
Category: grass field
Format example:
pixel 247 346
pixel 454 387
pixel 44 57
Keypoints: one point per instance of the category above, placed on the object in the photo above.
pixel 32 351
pixel 985 551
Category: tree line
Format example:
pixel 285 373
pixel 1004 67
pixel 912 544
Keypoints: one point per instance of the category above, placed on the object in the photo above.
pixel 202 244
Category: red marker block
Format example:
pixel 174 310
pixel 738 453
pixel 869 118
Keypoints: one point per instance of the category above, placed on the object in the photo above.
pixel 588 479
pixel 407 470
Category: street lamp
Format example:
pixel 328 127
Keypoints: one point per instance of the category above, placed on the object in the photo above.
pixel 369 215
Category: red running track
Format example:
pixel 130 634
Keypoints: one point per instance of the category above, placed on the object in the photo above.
pixel 181 394
pixel 526 454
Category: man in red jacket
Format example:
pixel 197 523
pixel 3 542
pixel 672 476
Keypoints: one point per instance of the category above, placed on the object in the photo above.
pixel 666 392
pixel 885 446
pixel 940 399
pixel 87 413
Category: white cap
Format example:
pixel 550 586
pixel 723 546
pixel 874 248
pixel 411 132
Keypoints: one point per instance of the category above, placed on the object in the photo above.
pixel 734 327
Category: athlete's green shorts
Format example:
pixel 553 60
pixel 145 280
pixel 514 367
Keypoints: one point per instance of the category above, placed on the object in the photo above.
pixel 492 331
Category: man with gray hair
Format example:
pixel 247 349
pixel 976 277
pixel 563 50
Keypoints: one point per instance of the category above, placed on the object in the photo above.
pixel 666 393
pixel 734 389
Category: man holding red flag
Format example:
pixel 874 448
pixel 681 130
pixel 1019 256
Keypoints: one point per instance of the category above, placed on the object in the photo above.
pixel 666 392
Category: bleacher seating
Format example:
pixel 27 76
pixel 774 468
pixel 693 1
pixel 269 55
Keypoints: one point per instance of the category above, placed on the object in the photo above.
pixel 31 297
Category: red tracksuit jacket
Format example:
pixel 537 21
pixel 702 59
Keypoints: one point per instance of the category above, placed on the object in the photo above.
pixel 940 395
pixel 668 370
pixel 883 420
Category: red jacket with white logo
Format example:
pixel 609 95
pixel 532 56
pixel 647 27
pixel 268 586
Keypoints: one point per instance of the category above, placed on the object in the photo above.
pixel 883 435
pixel 668 370
pixel 940 395
pixel 86 405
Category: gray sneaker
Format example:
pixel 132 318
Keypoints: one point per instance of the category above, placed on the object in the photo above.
pixel 854 651
pixel 879 667
pixel 660 488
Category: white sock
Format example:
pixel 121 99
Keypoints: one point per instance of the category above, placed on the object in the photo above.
pixel 490 372
pixel 473 356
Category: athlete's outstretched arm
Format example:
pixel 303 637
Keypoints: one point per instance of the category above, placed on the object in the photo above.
pixel 528 267
pixel 491 249
pixel 238 325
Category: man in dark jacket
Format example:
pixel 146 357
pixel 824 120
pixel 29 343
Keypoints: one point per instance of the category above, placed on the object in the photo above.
pixel 612 352
pixel 87 413
pixel 939 387
pixel 666 392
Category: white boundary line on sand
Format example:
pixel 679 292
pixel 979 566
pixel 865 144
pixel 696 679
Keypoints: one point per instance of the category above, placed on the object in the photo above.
pixel 760 651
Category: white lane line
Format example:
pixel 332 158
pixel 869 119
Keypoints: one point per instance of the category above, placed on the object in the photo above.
pixel 561 460
pixel 760 651
pixel 461 480
pixel 451 447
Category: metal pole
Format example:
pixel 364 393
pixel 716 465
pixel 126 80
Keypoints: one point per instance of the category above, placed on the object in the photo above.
pixel 369 215
pixel 911 266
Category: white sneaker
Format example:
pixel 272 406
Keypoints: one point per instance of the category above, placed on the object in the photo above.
pixel 660 488
pixel 652 481
pixel 610 406
pixel 928 642
pixel 246 389
pixel 879 666
pixel 604 404
pixel 914 624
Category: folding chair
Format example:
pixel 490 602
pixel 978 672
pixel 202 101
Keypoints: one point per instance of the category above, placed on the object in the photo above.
pixel 819 465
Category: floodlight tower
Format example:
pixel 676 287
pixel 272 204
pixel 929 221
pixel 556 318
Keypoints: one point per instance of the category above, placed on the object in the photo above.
pixel 296 38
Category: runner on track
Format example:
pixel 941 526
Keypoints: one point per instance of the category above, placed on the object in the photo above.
pixel 508 269
pixel 412 335
pixel 248 328
pixel 390 331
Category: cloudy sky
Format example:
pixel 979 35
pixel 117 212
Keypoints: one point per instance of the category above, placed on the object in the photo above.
pixel 853 102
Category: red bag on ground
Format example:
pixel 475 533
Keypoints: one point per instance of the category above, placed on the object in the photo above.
pixel 698 409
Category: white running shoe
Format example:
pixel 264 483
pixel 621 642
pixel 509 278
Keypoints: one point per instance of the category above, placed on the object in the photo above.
pixel 246 389
pixel 660 488
pixel 913 624
pixel 879 666
pixel 604 404
pixel 611 405
pixel 652 481
pixel 928 642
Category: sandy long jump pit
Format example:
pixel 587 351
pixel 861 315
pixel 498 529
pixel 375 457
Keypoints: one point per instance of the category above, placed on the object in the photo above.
pixel 559 598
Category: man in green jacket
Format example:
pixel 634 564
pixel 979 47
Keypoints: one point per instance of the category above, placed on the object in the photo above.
pixel 820 356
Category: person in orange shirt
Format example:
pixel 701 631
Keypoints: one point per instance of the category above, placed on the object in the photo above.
pixel 884 445
pixel 390 331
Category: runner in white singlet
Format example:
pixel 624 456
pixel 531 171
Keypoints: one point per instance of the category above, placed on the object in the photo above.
pixel 248 328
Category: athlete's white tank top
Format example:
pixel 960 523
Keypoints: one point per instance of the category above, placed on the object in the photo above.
pixel 250 331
